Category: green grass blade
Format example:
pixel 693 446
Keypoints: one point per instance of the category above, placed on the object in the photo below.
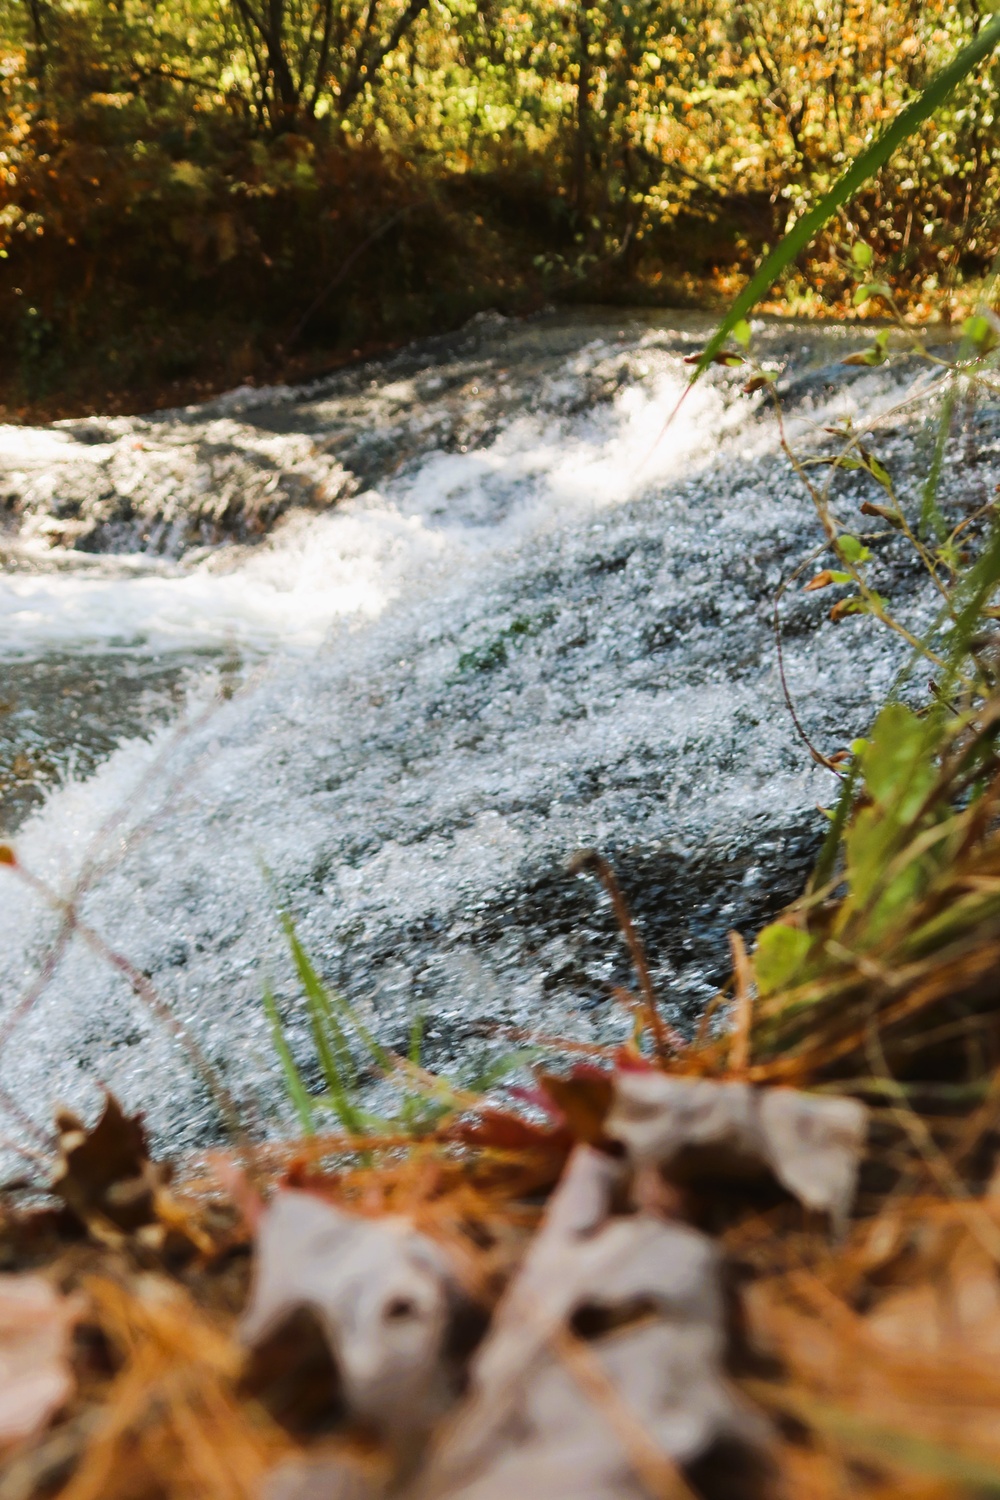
pixel 331 1044
pixel 297 1091
pixel 858 173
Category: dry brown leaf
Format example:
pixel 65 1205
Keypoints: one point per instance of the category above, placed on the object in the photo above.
pixel 811 1144
pixel 105 1175
pixel 384 1295
pixel 36 1324
pixel 644 1301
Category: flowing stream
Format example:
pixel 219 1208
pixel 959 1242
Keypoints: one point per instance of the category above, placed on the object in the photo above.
pixel 386 650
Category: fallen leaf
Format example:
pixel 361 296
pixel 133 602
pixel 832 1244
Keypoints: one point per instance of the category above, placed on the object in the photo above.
pixel 35 1376
pixel 385 1297
pixel 106 1177
pixel 717 359
pixel 691 1126
pixel 583 1098
pixel 500 1130
pixel 602 1371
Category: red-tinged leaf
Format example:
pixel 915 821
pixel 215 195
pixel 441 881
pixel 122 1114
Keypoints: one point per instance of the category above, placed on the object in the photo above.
pixel 821 581
pixel 853 606
pixel 498 1130
pixel 535 1098
pixel 628 1060
pixel 869 508
pixel 583 1098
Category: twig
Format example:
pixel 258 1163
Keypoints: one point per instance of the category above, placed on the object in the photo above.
pixel 589 862
pixel 739 1053
pixel 817 755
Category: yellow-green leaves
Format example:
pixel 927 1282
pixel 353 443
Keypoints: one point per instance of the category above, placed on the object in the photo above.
pixel 876 354
pixel 869 289
pixel 980 332
pixel 851 549
pixel 899 770
pixel 896 765
pixel 780 952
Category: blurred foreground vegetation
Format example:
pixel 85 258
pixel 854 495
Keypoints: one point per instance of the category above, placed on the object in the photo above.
pixel 194 194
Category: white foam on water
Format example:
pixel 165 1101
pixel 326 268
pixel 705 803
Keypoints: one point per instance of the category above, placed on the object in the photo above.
pixel 559 637
pixel 351 562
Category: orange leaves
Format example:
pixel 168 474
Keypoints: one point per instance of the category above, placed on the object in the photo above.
pixel 172 1422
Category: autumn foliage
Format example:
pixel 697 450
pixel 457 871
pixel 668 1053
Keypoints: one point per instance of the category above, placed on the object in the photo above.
pixel 200 193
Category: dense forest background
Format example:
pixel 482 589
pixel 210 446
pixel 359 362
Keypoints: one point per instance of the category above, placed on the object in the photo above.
pixel 197 193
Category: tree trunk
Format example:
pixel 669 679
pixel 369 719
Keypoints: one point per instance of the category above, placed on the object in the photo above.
pixel 39 45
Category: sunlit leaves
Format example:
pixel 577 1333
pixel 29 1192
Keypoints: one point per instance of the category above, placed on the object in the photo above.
pixel 779 955
pixel 876 354
pixel 870 289
pixel 980 331
pixel 852 549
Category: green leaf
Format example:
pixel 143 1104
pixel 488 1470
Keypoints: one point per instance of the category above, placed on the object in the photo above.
pixel 871 289
pixel 855 605
pixel 872 356
pixel 872 841
pixel 981 333
pixel 896 764
pixel 862 254
pixel 778 956
pixel 976 329
pixel 851 549
pixel 878 471
pixel 860 171
pixel 742 333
